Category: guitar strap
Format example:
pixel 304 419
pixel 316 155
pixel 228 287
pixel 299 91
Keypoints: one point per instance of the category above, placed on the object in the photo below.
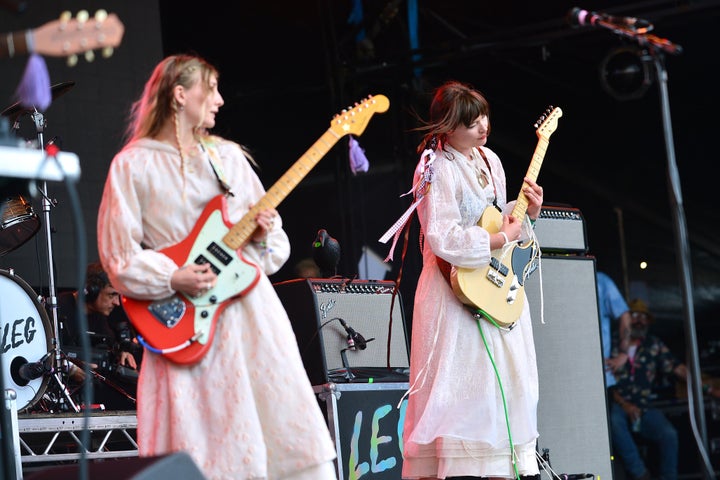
pixel 214 159
pixel 492 180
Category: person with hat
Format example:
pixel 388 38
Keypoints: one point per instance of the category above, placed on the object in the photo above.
pixel 632 414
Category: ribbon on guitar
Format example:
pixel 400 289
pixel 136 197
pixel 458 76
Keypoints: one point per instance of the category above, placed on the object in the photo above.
pixel 425 175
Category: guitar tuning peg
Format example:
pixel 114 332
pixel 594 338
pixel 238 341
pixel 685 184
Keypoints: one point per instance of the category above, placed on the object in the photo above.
pixel 101 15
pixel 65 17
pixel 107 52
pixel 72 60
pixel 89 56
pixel 82 17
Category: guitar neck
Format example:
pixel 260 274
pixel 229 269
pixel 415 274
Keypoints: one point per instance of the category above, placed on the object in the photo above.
pixel 241 231
pixel 532 173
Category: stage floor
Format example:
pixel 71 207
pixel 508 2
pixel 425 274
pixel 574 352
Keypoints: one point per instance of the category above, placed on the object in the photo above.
pixel 56 438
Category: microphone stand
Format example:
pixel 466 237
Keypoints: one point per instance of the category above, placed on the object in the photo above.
pixel 657 47
pixel 697 410
pixel 39 121
pixel 349 376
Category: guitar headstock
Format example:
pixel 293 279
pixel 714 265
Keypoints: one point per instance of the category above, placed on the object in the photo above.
pixel 69 36
pixel 354 120
pixel 547 123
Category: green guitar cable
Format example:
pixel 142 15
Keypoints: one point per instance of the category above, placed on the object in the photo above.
pixel 477 314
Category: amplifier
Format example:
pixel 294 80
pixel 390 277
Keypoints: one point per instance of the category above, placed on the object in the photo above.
pixel 561 230
pixel 320 308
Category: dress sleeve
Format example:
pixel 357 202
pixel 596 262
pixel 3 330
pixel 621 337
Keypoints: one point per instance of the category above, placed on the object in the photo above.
pixel 135 271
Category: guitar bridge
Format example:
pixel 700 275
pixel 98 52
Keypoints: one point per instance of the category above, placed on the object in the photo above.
pixel 168 311
pixel 495 278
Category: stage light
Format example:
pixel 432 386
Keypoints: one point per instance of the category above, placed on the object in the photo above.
pixel 625 73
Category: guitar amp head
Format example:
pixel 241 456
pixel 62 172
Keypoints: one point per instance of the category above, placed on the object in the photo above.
pixel 561 230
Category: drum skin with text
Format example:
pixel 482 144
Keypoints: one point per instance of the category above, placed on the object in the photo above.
pixel 25 338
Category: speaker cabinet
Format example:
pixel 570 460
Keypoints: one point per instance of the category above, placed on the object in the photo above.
pixel 316 308
pixel 572 410
pixel 172 466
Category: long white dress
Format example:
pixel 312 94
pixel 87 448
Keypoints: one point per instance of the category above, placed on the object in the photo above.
pixel 455 423
pixel 247 409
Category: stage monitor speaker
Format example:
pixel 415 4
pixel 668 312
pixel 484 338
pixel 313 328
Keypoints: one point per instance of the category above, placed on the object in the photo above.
pixel 172 466
pixel 572 410
pixel 316 306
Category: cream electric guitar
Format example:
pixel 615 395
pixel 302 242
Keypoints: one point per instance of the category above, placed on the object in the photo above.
pixel 67 37
pixel 182 327
pixel 497 289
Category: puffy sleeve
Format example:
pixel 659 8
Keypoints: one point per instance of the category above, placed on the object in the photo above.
pixel 134 270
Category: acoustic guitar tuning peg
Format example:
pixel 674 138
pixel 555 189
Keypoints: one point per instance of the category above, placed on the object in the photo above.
pixel 107 52
pixel 89 56
pixel 72 60
pixel 101 15
pixel 82 17
pixel 65 17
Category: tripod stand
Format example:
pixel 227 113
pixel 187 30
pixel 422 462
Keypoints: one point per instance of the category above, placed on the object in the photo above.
pixel 58 364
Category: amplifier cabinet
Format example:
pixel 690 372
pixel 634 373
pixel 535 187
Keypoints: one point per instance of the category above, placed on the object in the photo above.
pixel 366 423
pixel 317 308
pixel 561 230
pixel 572 409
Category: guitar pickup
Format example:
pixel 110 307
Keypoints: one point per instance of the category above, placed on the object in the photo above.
pixel 496 265
pixel 202 260
pixel 217 252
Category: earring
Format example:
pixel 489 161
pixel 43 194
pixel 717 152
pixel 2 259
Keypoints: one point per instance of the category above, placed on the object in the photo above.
pixel 181 107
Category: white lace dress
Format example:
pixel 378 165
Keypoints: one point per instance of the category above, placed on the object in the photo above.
pixel 455 422
pixel 247 409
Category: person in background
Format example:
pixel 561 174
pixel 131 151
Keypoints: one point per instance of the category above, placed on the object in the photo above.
pixel 307 268
pixel 632 412
pixel 471 382
pixel 246 408
pixel 614 315
pixel 111 337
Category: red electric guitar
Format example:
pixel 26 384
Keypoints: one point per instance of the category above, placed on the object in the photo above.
pixel 181 327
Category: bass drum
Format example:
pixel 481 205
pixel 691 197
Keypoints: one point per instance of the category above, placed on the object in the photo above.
pixel 25 338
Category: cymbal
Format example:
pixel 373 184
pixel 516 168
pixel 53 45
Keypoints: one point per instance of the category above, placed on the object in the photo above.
pixel 56 90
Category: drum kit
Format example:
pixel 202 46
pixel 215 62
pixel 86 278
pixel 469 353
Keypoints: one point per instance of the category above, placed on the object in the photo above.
pixel 31 361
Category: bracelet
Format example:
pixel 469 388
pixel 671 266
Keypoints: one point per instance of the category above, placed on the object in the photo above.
pixel 505 237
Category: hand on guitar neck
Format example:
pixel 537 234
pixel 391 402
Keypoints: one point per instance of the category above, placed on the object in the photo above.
pixel 510 230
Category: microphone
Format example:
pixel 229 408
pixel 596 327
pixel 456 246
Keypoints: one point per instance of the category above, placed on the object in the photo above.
pixel 354 339
pixel 578 17
pixel 32 370
pixel 574 476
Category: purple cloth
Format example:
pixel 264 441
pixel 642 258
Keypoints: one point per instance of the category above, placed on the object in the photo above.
pixel 358 160
pixel 34 89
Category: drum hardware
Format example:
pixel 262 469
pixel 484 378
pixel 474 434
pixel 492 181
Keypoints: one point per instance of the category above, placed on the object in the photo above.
pixel 59 364
pixel 17 109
